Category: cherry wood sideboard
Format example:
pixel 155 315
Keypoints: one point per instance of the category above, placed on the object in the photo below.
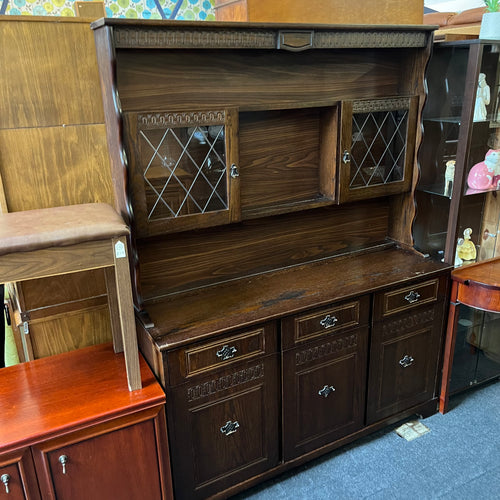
pixel 70 429
pixel 267 172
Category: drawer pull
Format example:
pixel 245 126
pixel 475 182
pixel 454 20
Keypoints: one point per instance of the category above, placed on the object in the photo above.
pixel 5 480
pixel 226 352
pixel 326 391
pixel 412 297
pixel 328 321
pixel 406 361
pixel 63 460
pixel 229 427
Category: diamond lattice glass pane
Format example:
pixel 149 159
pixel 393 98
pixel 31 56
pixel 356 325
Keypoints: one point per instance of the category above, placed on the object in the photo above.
pixel 378 148
pixel 184 171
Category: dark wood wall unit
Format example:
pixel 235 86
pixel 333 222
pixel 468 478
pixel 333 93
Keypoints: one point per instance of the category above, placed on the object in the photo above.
pixel 270 194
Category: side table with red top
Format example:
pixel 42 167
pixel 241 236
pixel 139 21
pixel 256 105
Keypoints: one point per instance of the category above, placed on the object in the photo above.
pixel 477 286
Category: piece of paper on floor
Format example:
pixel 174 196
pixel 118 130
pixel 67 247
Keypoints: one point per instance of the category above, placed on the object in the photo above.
pixel 412 430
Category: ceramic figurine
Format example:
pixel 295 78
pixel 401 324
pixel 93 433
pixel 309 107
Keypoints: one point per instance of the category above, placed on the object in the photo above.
pixel 449 175
pixel 482 99
pixel 485 175
pixel 467 250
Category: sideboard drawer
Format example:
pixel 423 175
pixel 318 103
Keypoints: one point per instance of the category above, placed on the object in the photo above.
pixel 402 299
pixel 201 358
pixel 325 321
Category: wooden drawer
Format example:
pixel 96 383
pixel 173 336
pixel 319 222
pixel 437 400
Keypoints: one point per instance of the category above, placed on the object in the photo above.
pixel 408 297
pixel 205 357
pixel 325 321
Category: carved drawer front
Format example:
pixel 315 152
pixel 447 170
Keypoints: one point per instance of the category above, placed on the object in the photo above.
pixel 321 322
pixel 402 299
pixel 205 357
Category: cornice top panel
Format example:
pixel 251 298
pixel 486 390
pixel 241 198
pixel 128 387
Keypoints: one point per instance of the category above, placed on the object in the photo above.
pixel 191 35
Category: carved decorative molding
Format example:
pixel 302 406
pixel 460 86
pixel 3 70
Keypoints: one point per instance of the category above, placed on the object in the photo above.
pixel 238 38
pixel 407 323
pixel 368 39
pixel 178 38
pixel 222 383
pixel 334 346
pixel 180 119
pixel 374 105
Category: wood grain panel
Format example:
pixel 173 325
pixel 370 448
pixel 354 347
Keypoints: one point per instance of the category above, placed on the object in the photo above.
pixel 54 166
pixel 189 260
pixel 257 79
pixel 69 331
pixel 45 292
pixel 49 73
pixel 279 157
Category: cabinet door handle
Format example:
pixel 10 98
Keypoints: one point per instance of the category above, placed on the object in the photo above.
pixel 406 361
pixel 412 297
pixel 328 321
pixel 5 480
pixel 229 427
pixel 226 352
pixel 63 460
pixel 326 391
pixel 346 157
pixel 233 171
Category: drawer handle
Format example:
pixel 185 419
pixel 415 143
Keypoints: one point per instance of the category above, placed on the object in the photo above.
pixel 406 361
pixel 326 391
pixel 412 297
pixel 328 321
pixel 226 353
pixel 5 480
pixel 63 460
pixel 229 427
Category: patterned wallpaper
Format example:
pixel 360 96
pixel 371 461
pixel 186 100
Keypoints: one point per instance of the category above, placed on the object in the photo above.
pixel 139 9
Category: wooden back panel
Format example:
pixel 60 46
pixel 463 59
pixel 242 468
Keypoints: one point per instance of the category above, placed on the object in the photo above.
pixel 257 79
pixel 195 259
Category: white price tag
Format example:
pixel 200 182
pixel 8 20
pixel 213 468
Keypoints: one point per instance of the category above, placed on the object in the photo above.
pixel 120 250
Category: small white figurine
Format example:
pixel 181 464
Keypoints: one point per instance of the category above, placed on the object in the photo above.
pixel 449 176
pixel 482 99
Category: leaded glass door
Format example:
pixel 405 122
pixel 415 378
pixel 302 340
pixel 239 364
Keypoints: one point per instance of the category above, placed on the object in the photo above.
pixel 377 147
pixel 183 169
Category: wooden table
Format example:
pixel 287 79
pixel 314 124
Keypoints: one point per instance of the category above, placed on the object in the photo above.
pixel 478 286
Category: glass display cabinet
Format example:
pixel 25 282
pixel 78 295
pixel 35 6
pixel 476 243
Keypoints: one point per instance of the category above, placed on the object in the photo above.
pixel 458 208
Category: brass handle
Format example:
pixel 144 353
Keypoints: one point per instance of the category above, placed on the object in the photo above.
pixel 406 361
pixel 326 391
pixel 226 352
pixel 5 480
pixel 63 460
pixel 412 297
pixel 328 321
pixel 229 427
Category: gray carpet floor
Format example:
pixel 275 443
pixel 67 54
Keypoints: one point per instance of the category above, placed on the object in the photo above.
pixel 458 459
